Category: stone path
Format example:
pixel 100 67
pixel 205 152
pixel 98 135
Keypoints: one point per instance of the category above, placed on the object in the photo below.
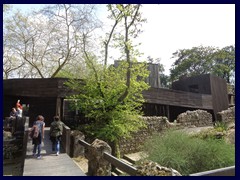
pixel 49 164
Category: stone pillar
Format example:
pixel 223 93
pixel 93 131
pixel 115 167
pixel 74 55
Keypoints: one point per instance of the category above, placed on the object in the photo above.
pixel 76 148
pixel 97 165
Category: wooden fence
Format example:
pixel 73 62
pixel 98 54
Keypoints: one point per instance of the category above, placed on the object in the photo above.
pixel 227 171
pixel 113 160
pixel 66 139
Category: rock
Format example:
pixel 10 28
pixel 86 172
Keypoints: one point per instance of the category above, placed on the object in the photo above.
pixel 230 136
pixel 227 115
pixel 7 135
pixel 196 118
pixel 77 149
pixel 149 168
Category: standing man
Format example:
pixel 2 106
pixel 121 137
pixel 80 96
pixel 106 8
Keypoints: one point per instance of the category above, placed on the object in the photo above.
pixel 56 130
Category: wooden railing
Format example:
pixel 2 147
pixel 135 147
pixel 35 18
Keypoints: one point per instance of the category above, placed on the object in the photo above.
pixel 16 125
pixel 227 171
pixel 120 164
pixel 25 138
pixel 66 139
pixel 113 160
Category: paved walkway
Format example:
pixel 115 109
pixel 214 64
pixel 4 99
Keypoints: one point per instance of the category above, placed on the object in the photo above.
pixel 49 164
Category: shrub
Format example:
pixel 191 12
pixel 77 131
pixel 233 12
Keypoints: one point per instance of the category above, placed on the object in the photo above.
pixel 211 133
pixel 220 126
pixel 186 154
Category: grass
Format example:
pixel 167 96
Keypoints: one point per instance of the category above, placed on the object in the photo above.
pixel 186 154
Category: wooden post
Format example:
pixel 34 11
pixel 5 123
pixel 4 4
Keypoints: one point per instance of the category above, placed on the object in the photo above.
pixel 168 113
pixel 25 138
pixel 58 107
pixel 66 139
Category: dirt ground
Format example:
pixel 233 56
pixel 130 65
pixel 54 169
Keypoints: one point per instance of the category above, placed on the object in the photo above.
pixel 82 162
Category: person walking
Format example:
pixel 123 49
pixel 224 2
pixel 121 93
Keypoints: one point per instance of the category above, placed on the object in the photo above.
pixel 56 130
pixel 37 141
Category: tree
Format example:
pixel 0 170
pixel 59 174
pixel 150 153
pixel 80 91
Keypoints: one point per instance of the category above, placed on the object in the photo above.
pixel 48 42
pixel 6 8
pixel 224 64
pixel 112 97
pixel 10 62
pixel 203 60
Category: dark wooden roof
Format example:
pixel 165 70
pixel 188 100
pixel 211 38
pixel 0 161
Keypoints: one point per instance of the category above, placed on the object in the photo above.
pixel 54 87
pixel 178 98
pixel 48 87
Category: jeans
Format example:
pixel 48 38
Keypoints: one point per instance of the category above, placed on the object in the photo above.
pixel 56 145
pixel 37 148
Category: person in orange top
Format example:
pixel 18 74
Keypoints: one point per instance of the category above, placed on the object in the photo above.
pixel 18 105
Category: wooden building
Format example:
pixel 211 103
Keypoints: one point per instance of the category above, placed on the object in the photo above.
pixel 48 97
pixel 206 85
pixel 42 96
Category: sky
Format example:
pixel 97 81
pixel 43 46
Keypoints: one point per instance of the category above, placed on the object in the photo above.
pixel 171 27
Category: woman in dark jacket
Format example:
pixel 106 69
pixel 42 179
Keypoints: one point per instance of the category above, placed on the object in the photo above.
pixel 56 130
pixel 38 140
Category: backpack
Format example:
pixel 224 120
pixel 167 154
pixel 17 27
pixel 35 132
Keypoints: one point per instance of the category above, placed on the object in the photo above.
pixel 34 132
pixel 56 129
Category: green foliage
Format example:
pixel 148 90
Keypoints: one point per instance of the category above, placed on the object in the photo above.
pixel 203 60
pixel 99 101
pixel 218 132
pixel 220 126
pixel 112 97
pixel 211 133
pixel 188 154
pixel 224 63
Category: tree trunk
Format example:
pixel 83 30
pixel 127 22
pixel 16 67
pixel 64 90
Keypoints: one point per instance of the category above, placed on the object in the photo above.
pixel 115 148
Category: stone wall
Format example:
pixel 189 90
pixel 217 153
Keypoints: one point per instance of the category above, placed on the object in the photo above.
pixel 154 124
pixel 196 118
pixel 227 115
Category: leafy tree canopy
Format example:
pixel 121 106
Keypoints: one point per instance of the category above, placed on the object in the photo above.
pixel 203 60
pixel 111 119
pixel 112 96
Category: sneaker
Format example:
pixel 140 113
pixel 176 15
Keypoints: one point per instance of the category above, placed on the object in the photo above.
pixel 34 154
pixel 57 153
pixel 39 157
